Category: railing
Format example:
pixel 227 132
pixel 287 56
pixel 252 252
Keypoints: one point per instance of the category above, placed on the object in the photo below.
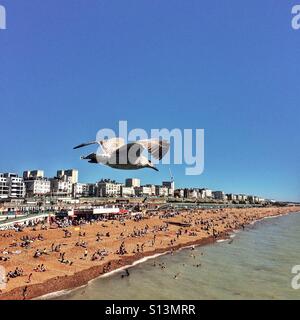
pixel 23 218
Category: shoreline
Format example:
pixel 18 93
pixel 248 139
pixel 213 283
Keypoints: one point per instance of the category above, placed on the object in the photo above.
pixel 61 285
pixel 149 257
pixel 83 277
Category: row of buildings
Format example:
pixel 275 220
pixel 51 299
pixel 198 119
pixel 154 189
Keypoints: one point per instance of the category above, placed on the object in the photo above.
pixel 65 184
pixel 133 188
pixel 33 183
pixel 207 194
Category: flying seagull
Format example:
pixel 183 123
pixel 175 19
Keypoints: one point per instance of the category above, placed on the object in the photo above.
pixel 116 154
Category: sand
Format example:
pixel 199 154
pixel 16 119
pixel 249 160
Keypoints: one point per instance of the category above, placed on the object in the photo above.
pixel 216 224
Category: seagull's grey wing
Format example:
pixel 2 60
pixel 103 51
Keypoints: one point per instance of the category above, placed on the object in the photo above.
pixel 157 148
pixel 127 153
pixel 111 145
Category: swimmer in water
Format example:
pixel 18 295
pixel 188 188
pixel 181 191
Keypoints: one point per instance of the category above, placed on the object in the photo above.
pixel 176 275
pixel 125 275
pixel 197 265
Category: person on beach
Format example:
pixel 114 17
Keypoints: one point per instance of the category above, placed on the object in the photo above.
pixel 29 278
pixel 24 293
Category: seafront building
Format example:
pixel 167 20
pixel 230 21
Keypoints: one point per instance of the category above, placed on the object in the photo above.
pixel 80 190
pixel 170 185
pixel 34 174
pixel 37 187
pixel 35 183
pixel 70 173
pixel 66 188
pixel 61 186
pixel 108 188
pixel 127 191
pixel 161 191
pixel 4 187
pixel 11 186
pixel 143 191
pixel 132 182
pixel 152 187
pixel 219 195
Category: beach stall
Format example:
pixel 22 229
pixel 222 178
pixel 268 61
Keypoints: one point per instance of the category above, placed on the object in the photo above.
pixel 112 213
pixel 97 213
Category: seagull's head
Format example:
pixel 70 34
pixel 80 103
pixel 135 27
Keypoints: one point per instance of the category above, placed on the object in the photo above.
pixel 92 157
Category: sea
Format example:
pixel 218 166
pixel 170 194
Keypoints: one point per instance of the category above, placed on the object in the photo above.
pixel 253 264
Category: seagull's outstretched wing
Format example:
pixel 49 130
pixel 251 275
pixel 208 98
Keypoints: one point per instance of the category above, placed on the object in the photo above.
pixel 157 148
pixel 86 144
pixel 108 145
pixel 111 145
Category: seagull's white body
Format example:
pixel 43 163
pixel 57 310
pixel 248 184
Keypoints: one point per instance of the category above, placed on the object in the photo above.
pixel 116 154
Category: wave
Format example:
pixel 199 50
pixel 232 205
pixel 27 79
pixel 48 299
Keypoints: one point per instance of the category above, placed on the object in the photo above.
pixel 222 240
pixel 60 293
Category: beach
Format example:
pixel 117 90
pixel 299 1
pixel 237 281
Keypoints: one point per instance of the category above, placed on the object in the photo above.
pixel 94 249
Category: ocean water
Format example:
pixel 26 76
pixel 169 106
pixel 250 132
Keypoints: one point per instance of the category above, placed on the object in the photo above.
pixel 254 264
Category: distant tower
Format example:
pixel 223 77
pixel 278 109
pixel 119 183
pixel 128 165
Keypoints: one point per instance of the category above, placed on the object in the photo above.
pixel 172 179
pixel 170 184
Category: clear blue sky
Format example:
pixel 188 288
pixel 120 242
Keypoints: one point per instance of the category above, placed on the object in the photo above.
pixel 69 68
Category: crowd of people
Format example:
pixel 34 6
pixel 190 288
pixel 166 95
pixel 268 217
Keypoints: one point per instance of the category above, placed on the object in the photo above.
pixel 78 245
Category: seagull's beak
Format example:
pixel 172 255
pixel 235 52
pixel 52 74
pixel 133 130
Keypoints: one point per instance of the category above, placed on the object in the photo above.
pixel 91 157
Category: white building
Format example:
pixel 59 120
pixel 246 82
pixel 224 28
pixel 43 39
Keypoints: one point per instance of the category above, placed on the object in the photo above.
pixel 194 194
pixel 161 191
pixel 179 193
pixel 108 188
pixel 61 187
pixel 232 197
pixel 205 194
pixel 11 186
pixel 33 174
pixel 242 197
pixel 37 187
pixel 80 190
pixel 70 173
pixel 169 184
pixel 218 195
pixel 132 182
pixel 143 191
pixel 152 187
pixel 171 187
pixel 127 191
pixel 4 187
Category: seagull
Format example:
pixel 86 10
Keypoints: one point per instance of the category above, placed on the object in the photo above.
pixel 116 154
